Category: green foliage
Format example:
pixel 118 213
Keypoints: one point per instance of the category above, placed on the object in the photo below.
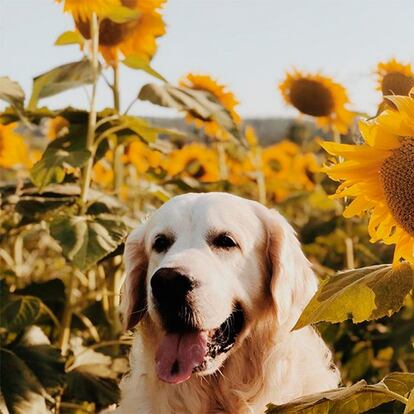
pixel 87 239
pixel 22 391
pixel 140 63
pixel 361 294
pixel 358 398
pixel 200 104
pixel 51 168
pixel 70 38
pixel 11 92
pixel 60 79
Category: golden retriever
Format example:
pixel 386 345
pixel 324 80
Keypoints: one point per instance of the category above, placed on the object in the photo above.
pixel 214 285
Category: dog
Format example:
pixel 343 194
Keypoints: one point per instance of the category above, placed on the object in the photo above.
pixel 214 285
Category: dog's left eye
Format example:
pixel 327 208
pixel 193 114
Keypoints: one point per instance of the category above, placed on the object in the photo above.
pixel 162 243
pixel 224 241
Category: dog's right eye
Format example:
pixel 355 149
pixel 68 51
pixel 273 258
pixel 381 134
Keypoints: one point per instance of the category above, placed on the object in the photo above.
pixel 162 243
pixel 224 241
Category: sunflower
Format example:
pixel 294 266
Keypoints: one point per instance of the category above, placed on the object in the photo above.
pixel 133 38
pixel 223 96
pixel 102 172
pixel 142 157
pixel 82 10
pixel 379 176
pixel 394 78
pixel 287 169
pixel 320 97
pixel 194 160
pixel 14 152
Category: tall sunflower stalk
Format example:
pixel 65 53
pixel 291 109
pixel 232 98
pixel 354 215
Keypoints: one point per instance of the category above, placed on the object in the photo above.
pixel 255 152
pixel 349 243
pixel 119 149
pixel 90 136
pixel 86 175
pixel 325 100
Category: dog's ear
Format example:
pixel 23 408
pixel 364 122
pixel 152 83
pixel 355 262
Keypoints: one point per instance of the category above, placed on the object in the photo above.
pixel 292 281
pixel 134 292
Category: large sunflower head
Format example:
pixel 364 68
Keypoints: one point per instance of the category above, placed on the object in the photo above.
pixel 136 37
pixel 195 161
pixel 222 94
pixel 379 176
pixel 320 97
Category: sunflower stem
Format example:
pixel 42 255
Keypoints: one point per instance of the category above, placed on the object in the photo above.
pixel 64 334
pixel 222 159
pixel 115 88
pixel 118 165
pixel 260 179
pixel 87 170
pixel 349 244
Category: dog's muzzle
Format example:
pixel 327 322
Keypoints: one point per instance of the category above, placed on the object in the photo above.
pixel 171 290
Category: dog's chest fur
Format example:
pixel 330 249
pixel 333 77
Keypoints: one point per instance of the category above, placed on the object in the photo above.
pixel 262 370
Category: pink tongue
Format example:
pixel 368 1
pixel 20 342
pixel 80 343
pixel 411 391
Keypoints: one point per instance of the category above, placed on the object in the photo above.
pixel 179 354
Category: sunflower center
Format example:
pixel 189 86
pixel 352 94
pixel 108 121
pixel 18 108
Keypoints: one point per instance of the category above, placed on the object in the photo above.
pixel 397 176
pixel 195 169
pixel 396 83
pixel 311 97
pixel 275 165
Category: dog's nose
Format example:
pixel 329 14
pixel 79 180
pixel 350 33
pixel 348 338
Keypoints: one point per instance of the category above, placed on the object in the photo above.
pixel 170 287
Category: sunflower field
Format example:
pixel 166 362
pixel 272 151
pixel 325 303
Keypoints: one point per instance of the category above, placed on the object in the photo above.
pixel 74 182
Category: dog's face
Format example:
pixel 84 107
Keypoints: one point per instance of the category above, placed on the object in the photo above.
pixel 203 268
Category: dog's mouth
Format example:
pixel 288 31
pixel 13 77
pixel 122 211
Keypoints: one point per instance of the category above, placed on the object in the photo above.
pixel 183 353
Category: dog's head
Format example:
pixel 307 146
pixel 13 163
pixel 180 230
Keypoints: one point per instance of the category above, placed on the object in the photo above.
pixel 203 268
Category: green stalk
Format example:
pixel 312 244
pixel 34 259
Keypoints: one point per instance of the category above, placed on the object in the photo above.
pixel 223 170
pixel 349 244
pixel 87 170
pixel 118 165
pixel 64 334
pixel 115 89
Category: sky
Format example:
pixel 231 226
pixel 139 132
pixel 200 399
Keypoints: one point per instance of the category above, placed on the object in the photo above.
pixel 246 44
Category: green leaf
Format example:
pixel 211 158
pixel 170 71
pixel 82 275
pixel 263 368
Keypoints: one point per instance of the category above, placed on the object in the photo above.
pixel 70 38
pixel 11 91
pixel 21 390
pixel 141 63
pixel 409 408
pixel 18 312
pixel 87 239
pixel 45 361
pixel 362 294
pixel 60 79
pixel 86 386
pixel 400 382
pixel 51 167
pixel 200 104
pixel 122 14
pixel 51 293
pixel 92 378
pixel 356 399
pixel 139 128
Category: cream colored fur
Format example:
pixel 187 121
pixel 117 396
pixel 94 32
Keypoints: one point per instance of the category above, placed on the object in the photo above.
pixel 274 282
